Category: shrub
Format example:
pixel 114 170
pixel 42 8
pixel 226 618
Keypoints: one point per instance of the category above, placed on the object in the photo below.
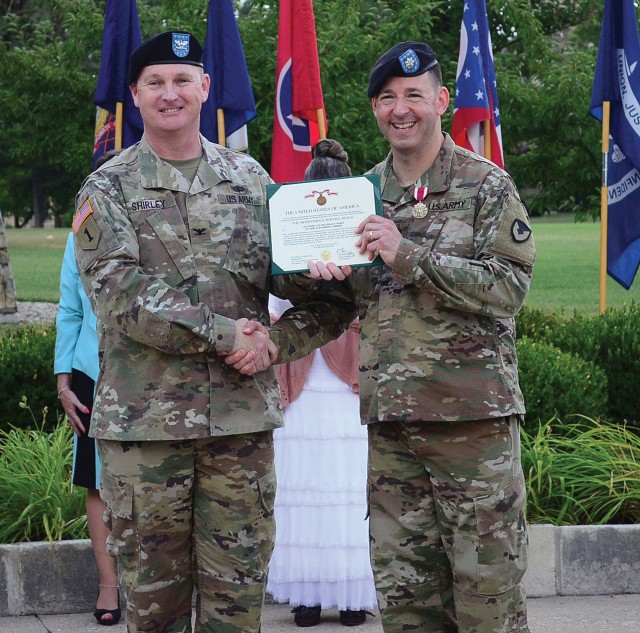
pixel 559 384
pixel 612 340
pixel 26 358
pixel 37 500
pixel 581 473
pixel 537 324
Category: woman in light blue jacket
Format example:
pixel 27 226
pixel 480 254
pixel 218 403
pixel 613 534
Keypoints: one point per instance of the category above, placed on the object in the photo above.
pixel 76 366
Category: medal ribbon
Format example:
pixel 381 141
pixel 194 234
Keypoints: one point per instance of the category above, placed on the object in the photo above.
pixel 420 193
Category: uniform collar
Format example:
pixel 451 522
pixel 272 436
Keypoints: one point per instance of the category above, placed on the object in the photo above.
pixel 157 174
pixel 437 177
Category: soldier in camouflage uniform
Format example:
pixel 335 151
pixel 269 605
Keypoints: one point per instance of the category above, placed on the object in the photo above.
pixel 171 239
pixel 439 376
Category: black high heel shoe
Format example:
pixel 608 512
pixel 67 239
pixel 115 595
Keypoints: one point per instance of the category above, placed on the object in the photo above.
pixel 98 614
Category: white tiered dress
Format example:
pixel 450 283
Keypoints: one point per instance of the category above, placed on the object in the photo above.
pixel 321 554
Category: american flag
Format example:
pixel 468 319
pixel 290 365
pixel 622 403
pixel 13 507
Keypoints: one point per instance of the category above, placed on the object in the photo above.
pixel 476 97
pixel 82 214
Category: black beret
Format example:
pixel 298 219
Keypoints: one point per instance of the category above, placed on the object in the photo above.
pixel 406 59
pixel 170 47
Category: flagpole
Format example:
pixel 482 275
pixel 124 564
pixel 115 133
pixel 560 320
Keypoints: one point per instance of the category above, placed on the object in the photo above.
pixel 604 206
pixel 322 128
pixel 486 126
pixel 118 139
pixel 222 140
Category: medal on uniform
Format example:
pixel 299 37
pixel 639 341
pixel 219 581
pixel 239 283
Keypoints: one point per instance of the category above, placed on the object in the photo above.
pixel 420 208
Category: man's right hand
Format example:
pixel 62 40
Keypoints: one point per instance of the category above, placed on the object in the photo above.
pixel 254 351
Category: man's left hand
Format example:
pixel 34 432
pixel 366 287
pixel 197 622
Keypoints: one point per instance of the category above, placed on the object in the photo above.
pixel 379 236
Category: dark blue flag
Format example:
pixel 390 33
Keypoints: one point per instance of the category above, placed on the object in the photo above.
pixel 121 35
pixel 224 61
pixel 617 80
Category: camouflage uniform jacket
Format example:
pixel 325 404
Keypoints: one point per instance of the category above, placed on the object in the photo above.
pixel 169 267
pixel 437 330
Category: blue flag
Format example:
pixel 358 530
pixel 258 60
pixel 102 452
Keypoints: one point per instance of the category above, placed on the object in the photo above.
pixel 617 80
pixel 121 35
pixel 224 61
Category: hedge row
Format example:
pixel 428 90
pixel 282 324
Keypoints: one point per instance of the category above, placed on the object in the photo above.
pixel 601 362
pixel 585 365
pixel 26 358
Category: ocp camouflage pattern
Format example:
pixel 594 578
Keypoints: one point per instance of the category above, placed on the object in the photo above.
pixel 449 496
pixel 173 526
pixel 438 330
pixel 169 267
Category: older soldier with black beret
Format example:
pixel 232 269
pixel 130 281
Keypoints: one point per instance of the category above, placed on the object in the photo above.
pixel 439 374
pixel 172 243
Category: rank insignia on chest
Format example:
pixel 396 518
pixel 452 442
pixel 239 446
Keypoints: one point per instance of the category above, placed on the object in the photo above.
pixel 420 208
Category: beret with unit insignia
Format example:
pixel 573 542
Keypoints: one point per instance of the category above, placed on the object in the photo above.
pixel 170 47
pixel 407 59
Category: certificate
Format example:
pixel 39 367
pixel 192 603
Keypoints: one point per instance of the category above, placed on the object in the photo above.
pixel 317 219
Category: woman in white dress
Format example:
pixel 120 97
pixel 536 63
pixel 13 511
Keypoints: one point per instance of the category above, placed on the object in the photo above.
pixel 321 556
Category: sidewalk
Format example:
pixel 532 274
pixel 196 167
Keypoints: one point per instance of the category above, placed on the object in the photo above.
pixel 558 614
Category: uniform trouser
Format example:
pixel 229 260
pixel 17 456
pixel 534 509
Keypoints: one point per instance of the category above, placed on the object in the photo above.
pixel 448 530
pixel 185 513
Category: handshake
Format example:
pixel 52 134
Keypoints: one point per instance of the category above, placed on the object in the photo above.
pixel 254 351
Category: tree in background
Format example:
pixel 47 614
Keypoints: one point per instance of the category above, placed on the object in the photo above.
pixel 544 54
pixel 46 86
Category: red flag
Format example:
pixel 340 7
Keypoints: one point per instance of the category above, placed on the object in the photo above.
pixel 476 98
pixel 298 92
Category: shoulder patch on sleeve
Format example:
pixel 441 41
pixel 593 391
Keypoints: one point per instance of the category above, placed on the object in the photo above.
pixel 520 231
pixel 89 234
pixel 83 212
pixel 85 227
pixel 514 238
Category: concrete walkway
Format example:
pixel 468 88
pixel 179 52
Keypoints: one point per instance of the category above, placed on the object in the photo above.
pixel 557 614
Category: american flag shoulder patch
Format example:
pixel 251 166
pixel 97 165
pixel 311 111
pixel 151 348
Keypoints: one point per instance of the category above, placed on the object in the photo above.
pixel 81 215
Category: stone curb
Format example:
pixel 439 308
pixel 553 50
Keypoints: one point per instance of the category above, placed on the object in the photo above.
pixel 45 578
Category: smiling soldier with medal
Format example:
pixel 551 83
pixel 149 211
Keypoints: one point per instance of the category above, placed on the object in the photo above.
pixel 439 382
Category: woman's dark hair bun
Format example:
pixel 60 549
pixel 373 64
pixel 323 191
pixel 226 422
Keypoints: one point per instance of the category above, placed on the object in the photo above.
pixel 330 148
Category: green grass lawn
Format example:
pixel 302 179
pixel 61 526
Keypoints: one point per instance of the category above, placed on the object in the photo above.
pixel 36 257
pixel 566 275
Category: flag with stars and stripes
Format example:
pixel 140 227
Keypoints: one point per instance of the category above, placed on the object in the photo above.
pixel 476 96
